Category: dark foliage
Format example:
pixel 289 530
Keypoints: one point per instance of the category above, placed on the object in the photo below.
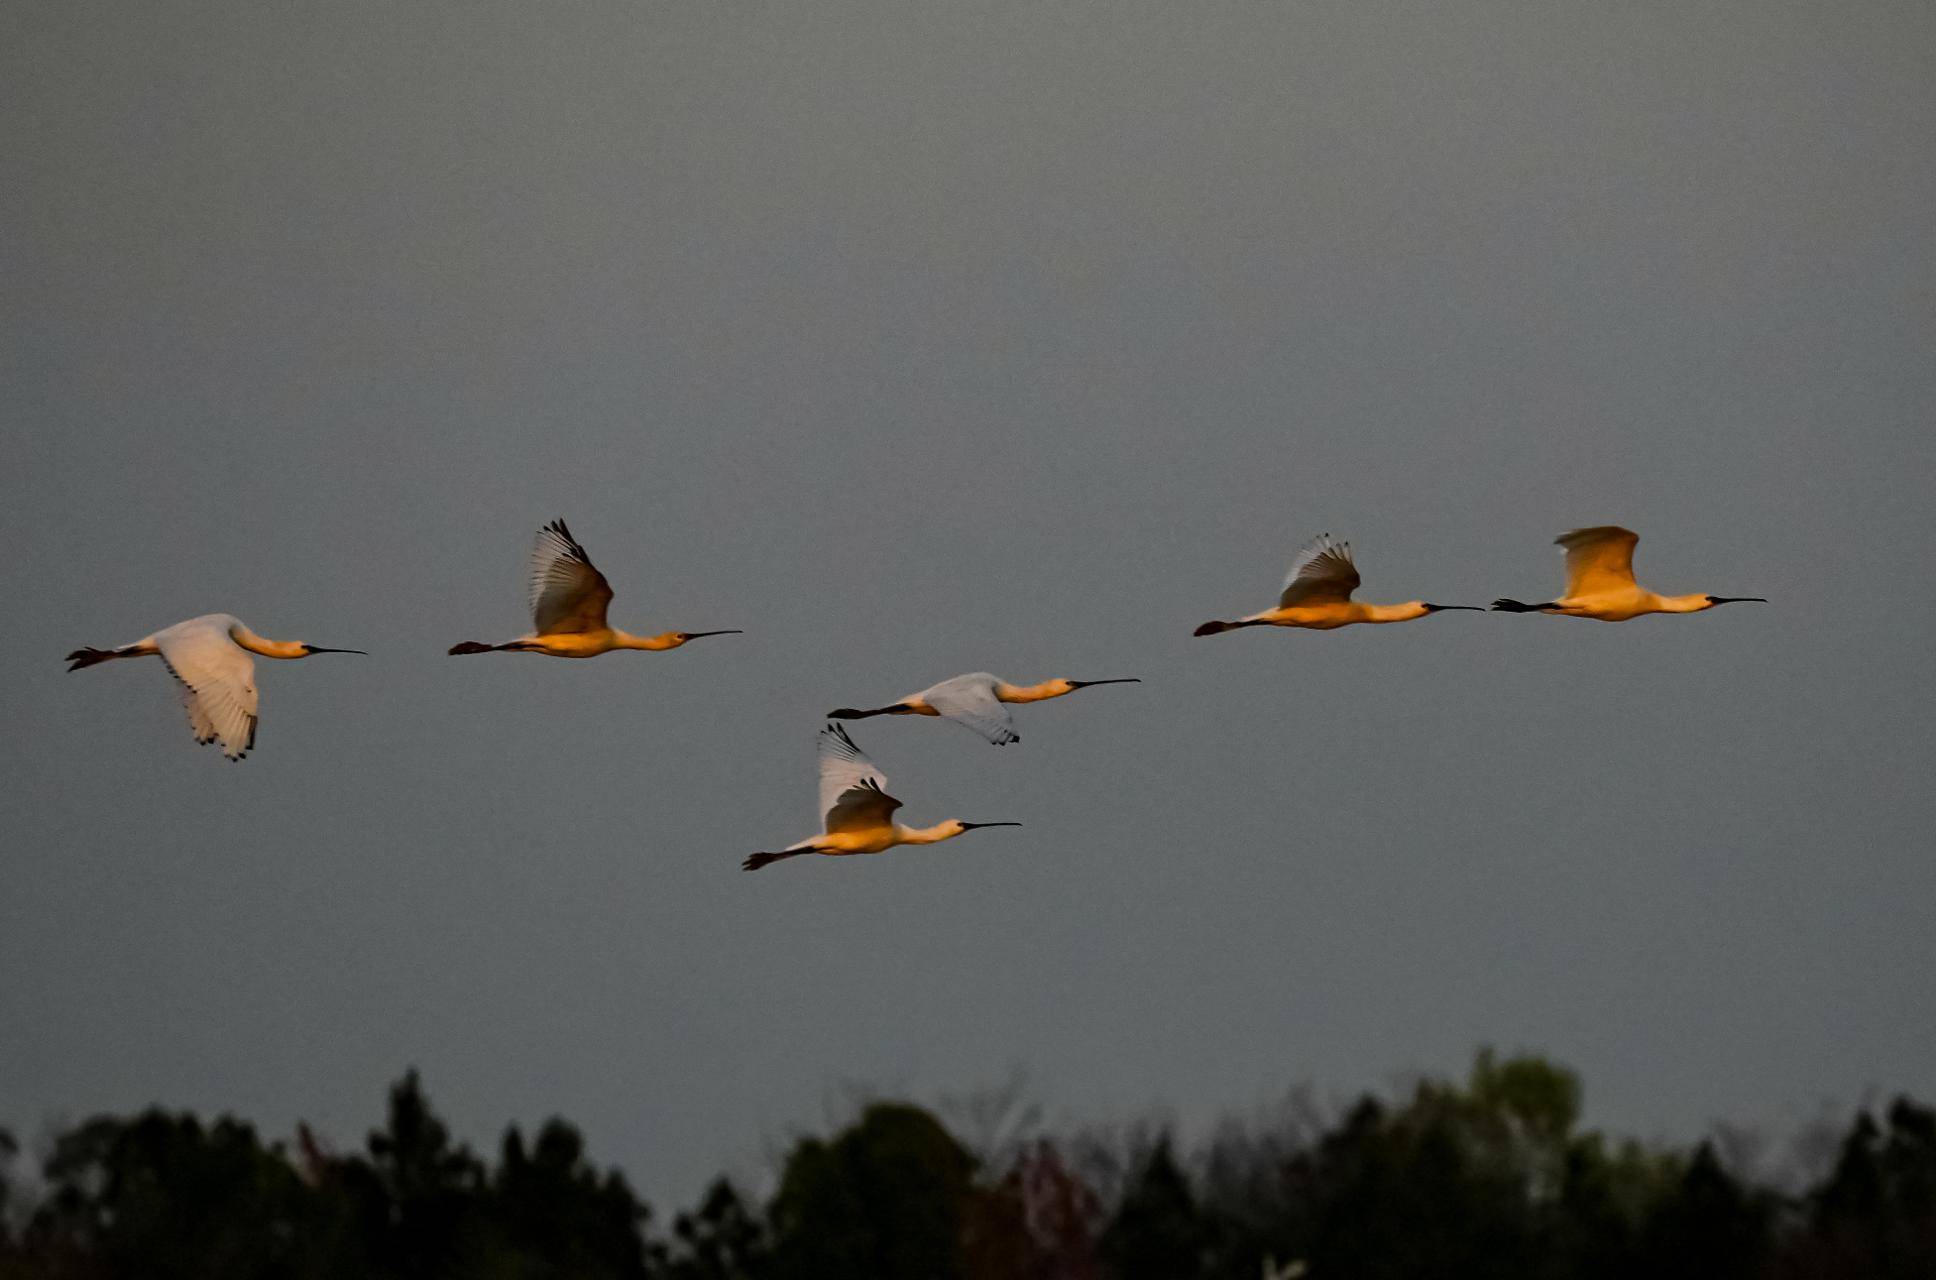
pixel 1486 1178
pixel 888 1197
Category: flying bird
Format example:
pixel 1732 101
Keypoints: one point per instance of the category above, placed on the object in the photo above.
pixel 1317 595
pixel 859 812
pixel 975 701
pixel 209 655
pixel 1600 582
pixel 568 600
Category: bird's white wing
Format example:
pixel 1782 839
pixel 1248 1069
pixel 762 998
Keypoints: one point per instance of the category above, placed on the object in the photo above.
pixel 568 594
pixel 852 790
pixel 970 701
pixel 1598 559
pixel 198 721
pixel 218 685
pixel 1322 573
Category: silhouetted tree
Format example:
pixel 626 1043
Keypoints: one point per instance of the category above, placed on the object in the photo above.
pixel 1157 1231
pixel 1875 1213
pixel 1473 1181
pixel 884 1198
pixel 161 1196
pixel 420 1200
pixel 563 1219
pixel 1040 1222
pixel 1605 1199
pixel 1709 1227
pixel 1488 1177
pixel 723 1239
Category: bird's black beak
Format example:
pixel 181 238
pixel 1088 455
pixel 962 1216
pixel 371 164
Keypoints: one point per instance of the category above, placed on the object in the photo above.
pixel 1084 684
pixel 1441 608
pixel 311 648
pixel 970 826
pixel 1737 600
pixel 694 635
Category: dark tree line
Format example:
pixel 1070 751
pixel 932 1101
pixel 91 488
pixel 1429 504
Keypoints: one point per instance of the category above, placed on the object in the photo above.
pixel 1491 1177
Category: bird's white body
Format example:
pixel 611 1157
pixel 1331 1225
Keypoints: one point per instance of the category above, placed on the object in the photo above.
pixel 1600 582
pixel 857 813
pixel 568 600
pixel 211 657
pixel 1317 596
pixel 976 702
pixel 876 839
pixel 1621 606
pixel 1332 614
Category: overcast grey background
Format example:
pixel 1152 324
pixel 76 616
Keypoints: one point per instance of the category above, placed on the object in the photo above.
pixel 917 339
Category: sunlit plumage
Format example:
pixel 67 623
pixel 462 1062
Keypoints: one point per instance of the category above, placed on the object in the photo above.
pixel 858 814
pixel 1317 595
pixel 209 656
pixel 568 601
pixel 975 701
pixel 1600 582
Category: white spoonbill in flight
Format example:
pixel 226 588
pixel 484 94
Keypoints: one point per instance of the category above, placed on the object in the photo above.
pixel 209 655
pixel 859 812
pixel 975 701
pixel 1317 595
pixel 568 600
pixel 1600 582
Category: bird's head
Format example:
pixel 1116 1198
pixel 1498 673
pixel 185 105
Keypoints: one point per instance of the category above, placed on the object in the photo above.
pixel 673 639
pixel 1070 686
pixel 308 649
pixel 960 826
pixel 1714 600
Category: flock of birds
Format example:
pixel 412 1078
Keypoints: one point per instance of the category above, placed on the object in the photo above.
pixel 211 658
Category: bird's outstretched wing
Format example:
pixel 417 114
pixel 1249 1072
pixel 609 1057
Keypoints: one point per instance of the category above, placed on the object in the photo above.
pixel 1598 559
pixel 218 685
pixel 862 807
pixel 852 794
pixel 1322 573
pixel 970 701
pixel 568 594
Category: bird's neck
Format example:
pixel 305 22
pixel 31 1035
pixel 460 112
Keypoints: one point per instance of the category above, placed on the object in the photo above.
pixel 267 648
pixel 1007 692
pixel 1396 612
pixel 929 835
pixel 654 644
pixel 1683 604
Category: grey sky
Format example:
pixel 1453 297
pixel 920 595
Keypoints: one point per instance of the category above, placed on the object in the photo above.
pixel 918 339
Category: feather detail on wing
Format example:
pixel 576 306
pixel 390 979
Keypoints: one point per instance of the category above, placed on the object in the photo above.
pixel 862 807
pixel 1322 573
pixel 970 701
pixel 199 722
pixel 568 594
pixel 852 794
pixel 218 686
pixel 1598 559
